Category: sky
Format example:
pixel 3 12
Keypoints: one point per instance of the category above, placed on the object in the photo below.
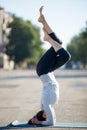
pixel 66 17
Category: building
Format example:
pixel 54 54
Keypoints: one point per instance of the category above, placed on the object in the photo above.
pixel 5 19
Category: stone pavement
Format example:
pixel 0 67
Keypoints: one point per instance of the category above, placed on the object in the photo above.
pixel 20 93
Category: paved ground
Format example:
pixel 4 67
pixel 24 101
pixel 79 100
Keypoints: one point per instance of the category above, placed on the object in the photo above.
pixel 20 93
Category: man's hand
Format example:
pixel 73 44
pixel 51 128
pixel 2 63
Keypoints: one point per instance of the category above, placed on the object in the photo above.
pixel 35 121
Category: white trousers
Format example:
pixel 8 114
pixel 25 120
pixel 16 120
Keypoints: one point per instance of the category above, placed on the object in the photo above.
pixel 50 96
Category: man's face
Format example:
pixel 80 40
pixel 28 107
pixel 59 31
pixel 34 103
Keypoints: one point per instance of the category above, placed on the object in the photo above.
pixel 44 115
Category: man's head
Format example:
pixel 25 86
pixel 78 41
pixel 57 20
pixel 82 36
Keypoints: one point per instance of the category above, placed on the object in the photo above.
pixel 40 116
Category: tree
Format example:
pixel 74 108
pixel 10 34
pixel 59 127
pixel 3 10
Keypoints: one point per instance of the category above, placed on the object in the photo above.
pixel 83 47
pixel 78 47
pixel 24 41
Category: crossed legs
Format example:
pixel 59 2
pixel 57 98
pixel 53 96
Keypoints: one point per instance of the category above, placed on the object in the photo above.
pixel 42 20
pixel 46 26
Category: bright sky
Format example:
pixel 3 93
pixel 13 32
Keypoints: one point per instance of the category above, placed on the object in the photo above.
pixel 66 17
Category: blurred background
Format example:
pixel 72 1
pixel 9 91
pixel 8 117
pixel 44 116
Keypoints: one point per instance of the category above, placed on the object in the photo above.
pixel 22 45
pixel 21 36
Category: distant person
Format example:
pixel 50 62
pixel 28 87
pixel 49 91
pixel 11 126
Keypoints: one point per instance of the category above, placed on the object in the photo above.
pixel 53 59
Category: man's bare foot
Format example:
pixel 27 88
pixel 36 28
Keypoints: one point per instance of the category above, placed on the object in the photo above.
pixel 46 36
pixel 41 19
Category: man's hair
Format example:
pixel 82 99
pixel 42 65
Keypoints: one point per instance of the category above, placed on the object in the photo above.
pixel 39 116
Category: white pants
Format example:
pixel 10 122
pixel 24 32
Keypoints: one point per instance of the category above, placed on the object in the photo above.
pixel 50 96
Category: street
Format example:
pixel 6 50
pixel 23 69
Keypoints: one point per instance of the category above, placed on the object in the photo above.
pixel 20 94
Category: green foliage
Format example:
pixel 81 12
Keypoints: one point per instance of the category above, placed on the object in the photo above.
pixel 78 47
pixel 24 41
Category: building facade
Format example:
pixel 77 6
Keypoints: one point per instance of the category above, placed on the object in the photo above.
pixel 5 19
